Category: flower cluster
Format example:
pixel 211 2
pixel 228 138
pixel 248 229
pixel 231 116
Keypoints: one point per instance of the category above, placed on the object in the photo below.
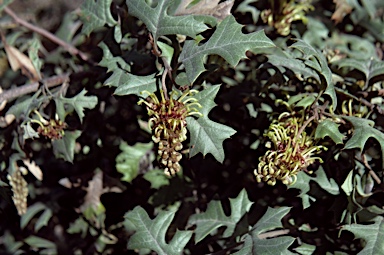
pixel 20 191
pixel 168 124
pixel 293 151
pixel 52 129
pixel 283 15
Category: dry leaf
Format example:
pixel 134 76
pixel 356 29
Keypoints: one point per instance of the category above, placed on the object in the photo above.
pixel 206 7
pixel 4 103
pixel 5 121
pixel 94 192
pixel 19 60
pixel 342 9
pixel 34 169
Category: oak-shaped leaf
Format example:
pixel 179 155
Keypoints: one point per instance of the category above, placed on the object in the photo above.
pixel 214 217
pixel 150 234
pixel 95 14
pixel 125 82
pixel 160 23
pixel 207 136
pixel 128 161
pixel 363 130
pixel 370 68
pixel 256 243
pixel 303 184
pixel 77 103
pixel 65 147
pixel 373 234
pixel 331 129
pixel 227 41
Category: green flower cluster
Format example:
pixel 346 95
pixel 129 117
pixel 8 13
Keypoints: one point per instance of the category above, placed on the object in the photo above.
pixel 293 151
pixel 168 124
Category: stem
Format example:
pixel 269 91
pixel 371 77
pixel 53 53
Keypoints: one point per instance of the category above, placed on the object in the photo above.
pixel 71 49
pixel 14 93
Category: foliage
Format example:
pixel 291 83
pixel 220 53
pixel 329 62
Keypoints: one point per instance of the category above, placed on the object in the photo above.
pixel 192 127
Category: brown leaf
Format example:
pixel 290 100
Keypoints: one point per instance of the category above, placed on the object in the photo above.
pixel 206 7
pixel 342 9
pixel 19 60
pixel 34 169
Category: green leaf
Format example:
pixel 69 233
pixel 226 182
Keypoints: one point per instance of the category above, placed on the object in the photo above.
pixel 78 103
pixel 33 53
pixel 95 14
pixel 38 242
pixel 317 61
pixel 4 4
pixel 157 178
pixel 65 147
pixel 134 84
pixel 254 243
pixel 43 219
pixel 305 249
pixel 207 136
pixel 363 131
pixel 29 132
pixel 214 217
pixel 31 212
pixel 331 129
pixel 245 6
pixel 227 41
pixel 128 161
pixel 150 234
pixel 373 234
pixel 303 184
pixel 160 23
pixel 370 68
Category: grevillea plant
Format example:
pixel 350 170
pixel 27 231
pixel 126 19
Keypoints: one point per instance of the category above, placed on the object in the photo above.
pixel 192 127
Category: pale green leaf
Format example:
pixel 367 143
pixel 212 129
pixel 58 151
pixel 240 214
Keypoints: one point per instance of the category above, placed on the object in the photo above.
pixel 363 130
pixel 150 234
pixel 38 242
pixel 33 53
pixel 253 244
pixel 166 51
pixel 245 7
pixel 4 4
pixel 227 41
pixel 317 61
pixel 133 84
pixel 78 103
pixel 331 129
pixel 95 14
pixel 31 212
pixel 157 178
pixel 160 23
pixel 370 68
pixel 111 62
pixel 373 234
pixel 43 219
pixel 65 147
pixel 305 249
pixel 128 161
pixel 29 132
pixel 207 136
pixel 214 217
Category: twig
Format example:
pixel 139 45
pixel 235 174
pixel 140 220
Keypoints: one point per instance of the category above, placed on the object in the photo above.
pixel 371 172
pixel 32 87
pixel 71 49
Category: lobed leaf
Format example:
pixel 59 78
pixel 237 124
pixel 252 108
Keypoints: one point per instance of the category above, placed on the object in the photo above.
pixel 331 129
pixel 227 41
pixel 363 130
pixel 160 23
pixel 207 136
pixel 373 234
pixel 65 147
pixel 214 217
pixel 150 234
pixel 95 14
pixel 370 68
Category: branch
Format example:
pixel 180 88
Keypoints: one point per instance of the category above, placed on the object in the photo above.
pixel 274 233
pixel 71 49
pixel 14 93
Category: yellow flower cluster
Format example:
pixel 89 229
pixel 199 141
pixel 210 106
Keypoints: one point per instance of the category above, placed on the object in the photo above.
pixel 168 124
pixel 292 151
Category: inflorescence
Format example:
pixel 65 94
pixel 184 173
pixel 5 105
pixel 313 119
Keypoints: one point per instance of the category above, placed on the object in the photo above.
pixel 293 151
pixel 168 124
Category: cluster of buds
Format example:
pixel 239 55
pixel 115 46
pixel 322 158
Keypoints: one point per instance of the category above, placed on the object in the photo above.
pixel 20 191
pixel 293 151
pixel 52 129
pixel 285 13
pixel 168 124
